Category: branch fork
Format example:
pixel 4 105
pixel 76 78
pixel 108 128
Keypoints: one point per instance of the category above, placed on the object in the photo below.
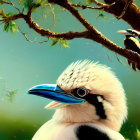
pixel 90 31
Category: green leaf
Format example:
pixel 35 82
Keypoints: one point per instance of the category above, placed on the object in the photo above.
pixel 101 14
pixel 13 92
pixel 9 14
pixel 138 134
pixel 64 43
pixel 6 27
pixel 29 3
pixel 61 42
pixel 37 1
pixel 11 95
pixel 88 2
pixel 54 42
pixel 12 26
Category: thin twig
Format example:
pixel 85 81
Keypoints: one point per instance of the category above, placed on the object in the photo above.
pixel 14 6
pixel 121 61
pixel 24 34
pixel 99 3
pixel 125 8
pixel 106 53
pixel 52 13
pixel 86 6
pixel 22 5
pixel 103 4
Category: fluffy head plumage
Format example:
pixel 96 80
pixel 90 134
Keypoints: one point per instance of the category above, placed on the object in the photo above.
pixel 76 75
pixel 99 79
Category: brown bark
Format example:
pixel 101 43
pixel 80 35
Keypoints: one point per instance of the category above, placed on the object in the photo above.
pixel 15 17
pixel 132 13
pixel 48 33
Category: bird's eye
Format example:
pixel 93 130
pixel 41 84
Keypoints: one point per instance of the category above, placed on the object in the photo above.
pixel 80 92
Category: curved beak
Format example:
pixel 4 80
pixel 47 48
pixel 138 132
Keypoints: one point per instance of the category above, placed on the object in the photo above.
pixel 52 91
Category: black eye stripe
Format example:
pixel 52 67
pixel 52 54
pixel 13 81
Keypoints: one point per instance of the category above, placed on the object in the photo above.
pixel 94 100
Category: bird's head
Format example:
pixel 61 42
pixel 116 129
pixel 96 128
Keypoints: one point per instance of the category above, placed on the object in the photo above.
pixel 130 32
pixel 86 92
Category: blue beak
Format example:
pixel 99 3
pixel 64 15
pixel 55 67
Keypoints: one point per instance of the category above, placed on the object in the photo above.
pixel 52 91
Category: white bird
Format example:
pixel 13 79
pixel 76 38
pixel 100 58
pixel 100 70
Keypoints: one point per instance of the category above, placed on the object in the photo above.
pixel 90 104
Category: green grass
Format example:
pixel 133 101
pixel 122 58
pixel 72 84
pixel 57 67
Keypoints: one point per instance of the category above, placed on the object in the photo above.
pixel 130 131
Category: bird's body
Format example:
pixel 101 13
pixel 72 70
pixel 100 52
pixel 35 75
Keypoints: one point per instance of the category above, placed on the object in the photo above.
pixel 77 131
pixel 91 104
pixel 131 43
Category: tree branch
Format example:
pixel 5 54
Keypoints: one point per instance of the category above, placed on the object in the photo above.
pixel 31 9
pixel 14 17
pixel 131 55
pixel 90 32
pixel 95 35
pixel 10 3
pixel 67 35
pixel 99 3
pixel 14 6
pixel 132 13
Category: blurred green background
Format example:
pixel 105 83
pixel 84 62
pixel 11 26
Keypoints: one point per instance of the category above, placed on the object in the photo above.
pixel 24 64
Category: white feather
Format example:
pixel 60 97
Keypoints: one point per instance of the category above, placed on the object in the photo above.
pixel 98 79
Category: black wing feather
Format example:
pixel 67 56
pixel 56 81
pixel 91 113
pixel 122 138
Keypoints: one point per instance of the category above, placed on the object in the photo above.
pixel 85 132
pixel 131 45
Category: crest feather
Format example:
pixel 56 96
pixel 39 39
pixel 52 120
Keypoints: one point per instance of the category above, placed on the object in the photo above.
pixel 77 74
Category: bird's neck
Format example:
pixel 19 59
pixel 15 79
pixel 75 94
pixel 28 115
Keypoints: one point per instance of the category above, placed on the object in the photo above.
pixel 84 113
pixel 77 114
